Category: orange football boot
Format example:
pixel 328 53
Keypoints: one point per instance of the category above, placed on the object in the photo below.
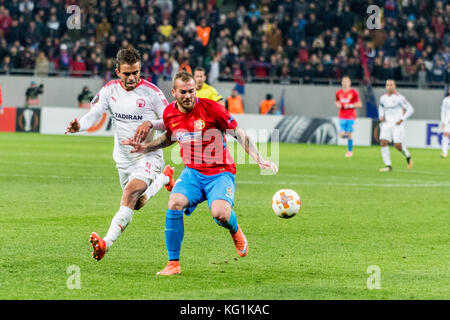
pixel 172 267
pixel 240 242
pixel 99 246
pixel 168 171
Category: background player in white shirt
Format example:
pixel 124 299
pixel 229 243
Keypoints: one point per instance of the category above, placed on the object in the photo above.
pixel 136 107
pixel 445 123
pixel 393 110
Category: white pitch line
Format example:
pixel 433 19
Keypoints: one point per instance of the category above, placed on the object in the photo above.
pixel 425 184
pixel 406 172
pixel 57 177
pixel 36 163
pixel 349 178
pixel 61 155
pixel 346 184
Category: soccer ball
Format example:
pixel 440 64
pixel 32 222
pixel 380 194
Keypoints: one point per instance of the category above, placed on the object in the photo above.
pixel 286 203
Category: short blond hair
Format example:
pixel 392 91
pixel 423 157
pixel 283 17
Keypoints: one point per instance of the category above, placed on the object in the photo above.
pixel 183 75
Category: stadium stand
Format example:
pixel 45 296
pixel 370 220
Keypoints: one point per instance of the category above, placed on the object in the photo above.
pixel 247 40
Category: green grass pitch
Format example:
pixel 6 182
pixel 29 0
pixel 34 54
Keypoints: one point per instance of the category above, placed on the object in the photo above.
pixel 56 190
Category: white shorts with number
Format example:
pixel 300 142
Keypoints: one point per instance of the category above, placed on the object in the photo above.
pixel 391 131
pixel 146 169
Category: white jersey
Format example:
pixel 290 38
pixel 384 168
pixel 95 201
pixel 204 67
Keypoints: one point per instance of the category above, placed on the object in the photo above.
pixel 128 110
pixel 394 107
pixel 445 110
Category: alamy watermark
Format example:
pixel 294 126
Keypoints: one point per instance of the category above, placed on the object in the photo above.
pixel 266 141
pixel 74 20
pixel 374 280
pixel 374 20
pixel 74 280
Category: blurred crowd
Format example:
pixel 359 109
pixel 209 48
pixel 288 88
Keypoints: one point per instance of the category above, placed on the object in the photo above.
pixel 246 40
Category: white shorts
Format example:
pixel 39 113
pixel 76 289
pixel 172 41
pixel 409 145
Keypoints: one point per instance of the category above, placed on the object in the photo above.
pixel 146 169
pixel 390 131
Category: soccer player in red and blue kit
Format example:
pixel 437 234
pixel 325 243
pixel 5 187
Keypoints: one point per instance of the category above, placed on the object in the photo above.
pixel 199 125
pixel 347 99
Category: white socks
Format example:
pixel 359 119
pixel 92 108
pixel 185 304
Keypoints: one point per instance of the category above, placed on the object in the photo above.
pixel 386 155
pixel 156 185
pixel 405 151
pixel 118 224
pixel 444 145
pixel 124 216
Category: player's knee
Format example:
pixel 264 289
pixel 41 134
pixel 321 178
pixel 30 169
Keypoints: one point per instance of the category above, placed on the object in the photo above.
pixel 221 212
pixel 398 146
pixel 131 195
pixel 177 202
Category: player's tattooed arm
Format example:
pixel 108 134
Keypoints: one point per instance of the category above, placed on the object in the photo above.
pixel 246 143
pixel 251 148
pixel 162 142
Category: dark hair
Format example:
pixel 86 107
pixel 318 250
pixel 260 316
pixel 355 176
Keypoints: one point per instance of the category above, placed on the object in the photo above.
pixel 183 75
pixel 268 96
pixel 127 56
pixel 200 69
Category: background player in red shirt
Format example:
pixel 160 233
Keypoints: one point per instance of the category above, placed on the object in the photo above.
pixel 347 99
pixel 199 125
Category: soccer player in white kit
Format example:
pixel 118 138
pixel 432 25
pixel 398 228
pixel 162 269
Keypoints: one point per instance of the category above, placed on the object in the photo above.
pixel 393 110
pixel 445 123
pixel 136 107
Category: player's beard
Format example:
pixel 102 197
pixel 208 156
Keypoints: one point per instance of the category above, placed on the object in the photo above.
pixel 186 104
pixel 130 85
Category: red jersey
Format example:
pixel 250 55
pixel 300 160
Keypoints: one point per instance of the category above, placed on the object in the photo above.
pixel 347 97
pixel 201 135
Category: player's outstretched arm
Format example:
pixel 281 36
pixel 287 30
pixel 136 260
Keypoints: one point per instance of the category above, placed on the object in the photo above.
pixel 250 147
pixel 162 142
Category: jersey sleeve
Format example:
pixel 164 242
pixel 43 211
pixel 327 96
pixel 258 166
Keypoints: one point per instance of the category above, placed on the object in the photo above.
pixel 355 97
pixel 444 110
pixel 224 119
pixel 159 104
pixel 381 109
pixel 409 110
pixel 99 105
pixel 166 119
pixel 216 95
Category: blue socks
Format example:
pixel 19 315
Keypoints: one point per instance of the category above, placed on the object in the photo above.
pixel 232 224
pixel 350 144
pixel 174 233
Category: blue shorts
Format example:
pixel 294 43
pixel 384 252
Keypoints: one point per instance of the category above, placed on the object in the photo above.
pixel 198 187
pixel 346 124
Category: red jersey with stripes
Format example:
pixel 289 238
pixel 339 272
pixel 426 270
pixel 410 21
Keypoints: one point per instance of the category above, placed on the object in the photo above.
pixel 201 135
pixel 350 96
